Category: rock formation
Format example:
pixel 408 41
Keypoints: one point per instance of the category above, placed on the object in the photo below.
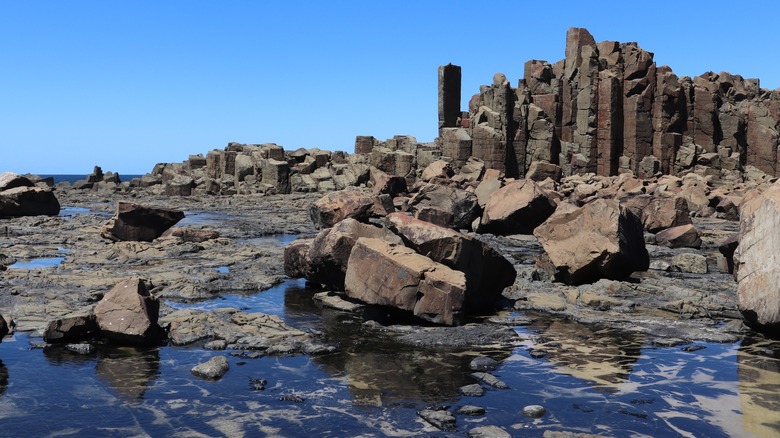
pixel 139 223
pixel 128 313
pixel 19 196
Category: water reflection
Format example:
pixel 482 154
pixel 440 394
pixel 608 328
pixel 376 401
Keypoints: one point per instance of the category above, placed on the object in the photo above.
pixel 3 378
pixel 602 356
pixel 129 371
pixel 758 370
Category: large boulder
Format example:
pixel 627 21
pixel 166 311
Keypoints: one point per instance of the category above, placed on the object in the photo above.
pixel 128 313
pixel 296 258
pixel 446 206
pixel 684 236
pixel 487 271
pixel 139 223
pixel 516 208
pixel 337 206
pixel 328 254
pixel 70 328
pixel 392 275
pixel 758 269
pixel 659 212
pixel 19 197
pixel 599 240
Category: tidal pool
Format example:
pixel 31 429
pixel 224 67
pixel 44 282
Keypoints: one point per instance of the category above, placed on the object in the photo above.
pixel 590 380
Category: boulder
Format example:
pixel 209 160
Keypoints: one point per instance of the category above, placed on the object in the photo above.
pixel 28 201
pixel 689 262
pixel 128 313
pixel 392 275
pixel 439 169
pixel 71 328
pixel 758 269
pixel 540 171
pixel 296 258
pixel 446 206
pixel 385 183
pixel 337 206
pixel 329 252
pixel 10 180
pixel 599 240
pixel 658 212
pixel 684 236
pixel 487 272
pixel 135 222
pixel 517 208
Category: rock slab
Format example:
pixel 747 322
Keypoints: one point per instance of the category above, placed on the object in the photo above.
pixel 128 313
pixel 133 222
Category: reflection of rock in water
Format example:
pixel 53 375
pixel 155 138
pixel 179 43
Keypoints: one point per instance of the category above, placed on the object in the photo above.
pixel 603 356
pixel 758 370
pixel 128 370
pixel 3 378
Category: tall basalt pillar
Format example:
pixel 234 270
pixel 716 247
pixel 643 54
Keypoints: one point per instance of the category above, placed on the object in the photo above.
pixel 638 92
pixel 669 118
pixel 492 124
pixel 580 101
pixel 610 123
pixel 706 126
pixel 449 95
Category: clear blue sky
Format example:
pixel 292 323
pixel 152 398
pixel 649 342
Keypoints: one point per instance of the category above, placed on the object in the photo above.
pixel 125 85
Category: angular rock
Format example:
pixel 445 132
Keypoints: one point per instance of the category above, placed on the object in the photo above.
pixel 540 171
pixel 28 201
pixel 10 180
pixel 658 212
pixel 758 272
pixel 487 272
pixel 337 206
pixel 439 169
pixel 74 328
pixel 684 236
pixel 391 275
pixel 441 419
pixel 133 222
pixel 517 208
pixel 446 206
pixel 296 258
pixel 128 313
pixel 213 369
pixel 191 234
pixel 599 240
pixel 329 252
pixel 689 262
pixel 384 183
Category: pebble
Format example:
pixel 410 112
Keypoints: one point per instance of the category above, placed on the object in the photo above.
pixel 490 379
pixel 219 344
pixel 473 390
pixel 213 369
pixel 534 411
pixel 470 410
pixel 441 419
pixel 483 363
pixel 83 348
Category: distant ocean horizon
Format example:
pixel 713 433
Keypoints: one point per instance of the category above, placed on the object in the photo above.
pixel 71 178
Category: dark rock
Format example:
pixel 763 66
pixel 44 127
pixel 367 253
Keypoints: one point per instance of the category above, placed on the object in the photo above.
pixel 489 380
pixel 135 222
pixel 446 206
pixel 684 236
pixel 483 363
pixel 517 208
pixel 441 419
pixel 28 201
pixel 471 411
pixel 534 411
pixel 473 390
pixel 3 328
pixel 70 329
pixel 488 432
pixel 190 234
pixel 80 348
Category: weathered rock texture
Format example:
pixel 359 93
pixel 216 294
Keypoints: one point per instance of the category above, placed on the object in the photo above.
pixel 139 223
pixel 128 313
pixel 608 108
pixel 758 272
pixel 20 197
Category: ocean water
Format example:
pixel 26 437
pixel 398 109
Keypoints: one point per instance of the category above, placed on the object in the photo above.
pixel 71 178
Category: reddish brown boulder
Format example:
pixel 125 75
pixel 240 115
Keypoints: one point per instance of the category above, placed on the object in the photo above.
pixel 658 213
pixel 487 271
pixel 684 236
pixel 439 169
pixel 392 275
pixel 28 201
pixel 296 258
pixel 599 240
pixel 385 183
pixel 446 206
pixel 128 313
pixel 516 208
pixel 337 206
pixel 139 223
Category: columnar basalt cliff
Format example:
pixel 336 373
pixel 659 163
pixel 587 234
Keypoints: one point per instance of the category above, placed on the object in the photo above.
pixel 607 108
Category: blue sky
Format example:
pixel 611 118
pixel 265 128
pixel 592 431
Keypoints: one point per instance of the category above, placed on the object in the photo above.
pixel 125 85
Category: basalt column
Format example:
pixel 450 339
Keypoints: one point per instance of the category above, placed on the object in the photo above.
pixel 449 96
pixel 638 93
pixel 492 124
pixel 669 118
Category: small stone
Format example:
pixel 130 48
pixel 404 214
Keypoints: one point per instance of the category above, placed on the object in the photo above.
pixel 292 397
pixel 257 384
pixel 488 432
pixel 483 363
pixel 537 353
pixel 213 369
pixel 470 410
pixel 80 348
pixel 688 262
pixel 660 265
pixel 490 379
pixel 692 348
pixel 534 411
pixel 473 390
pixel 219 344
pixel 441 419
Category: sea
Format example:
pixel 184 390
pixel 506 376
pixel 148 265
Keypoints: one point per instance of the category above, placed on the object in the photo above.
pixel 71 178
